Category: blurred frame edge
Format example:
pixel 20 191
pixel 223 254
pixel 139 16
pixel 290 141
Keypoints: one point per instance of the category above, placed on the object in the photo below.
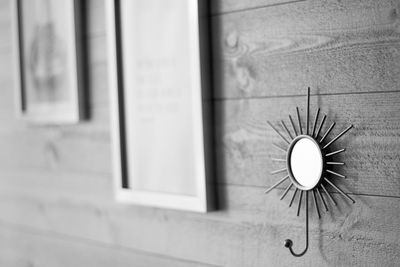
pixel 81 101
pixel 122 194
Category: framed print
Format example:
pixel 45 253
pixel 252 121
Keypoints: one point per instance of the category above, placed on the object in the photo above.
pixel 48 60
pixel 157 89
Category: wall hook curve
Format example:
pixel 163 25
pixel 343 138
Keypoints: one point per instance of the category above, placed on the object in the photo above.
pixel 289 243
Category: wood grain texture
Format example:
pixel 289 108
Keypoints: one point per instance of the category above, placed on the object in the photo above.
pixel 56 198
pixel 249 230
pixel 244 142
pixel 334 47
pixel 37 248
pixel 372 148
pixel 230 6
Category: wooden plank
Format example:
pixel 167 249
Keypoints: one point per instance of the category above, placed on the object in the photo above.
pixel 57 179
pixel 228 6
pixel 248 231
pixel 244 142
pixel 334 47
pixel 26 247
pixel 54 184
pixel 369 62
pixel 244 139
pixel 54 149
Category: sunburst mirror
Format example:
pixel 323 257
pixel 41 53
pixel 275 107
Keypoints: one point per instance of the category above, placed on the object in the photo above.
pixel 309 164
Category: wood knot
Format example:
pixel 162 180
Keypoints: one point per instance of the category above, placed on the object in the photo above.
pixel 232 39
pixel 393 14
pixel 51 154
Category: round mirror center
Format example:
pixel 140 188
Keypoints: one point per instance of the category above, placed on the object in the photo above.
pixel 305 162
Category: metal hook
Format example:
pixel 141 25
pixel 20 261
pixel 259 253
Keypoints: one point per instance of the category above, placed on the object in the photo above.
pixel 289 243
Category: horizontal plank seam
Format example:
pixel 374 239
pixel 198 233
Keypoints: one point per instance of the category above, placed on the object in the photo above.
pixel 7 48
pixel 71 172
pixel 216 99
pixel 106 176
pixel 71 238
pixel 216 14
pixel 283 188
pixel 262 188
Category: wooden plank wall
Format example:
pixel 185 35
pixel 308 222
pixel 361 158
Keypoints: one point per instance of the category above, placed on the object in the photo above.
pixel 56 203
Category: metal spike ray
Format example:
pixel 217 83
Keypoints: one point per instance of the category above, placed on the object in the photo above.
pixel 270 124
pixel 316 204
pixel 286 129
pixel 320 127
pixel 276 184
pixel 278 147
pixel 335 173
pixel 327 132
pixel 299 205
pixel 279 171
pixel 315 123
pixel 322 199
pixel 339 190
pixel 294 127
pixel 279 160
pixel 338 136
pixel 308 110
pixel 328 194
pixel 335 152
pixel 286 191
pixel 299 119
pixel 294 195
pixel 334 163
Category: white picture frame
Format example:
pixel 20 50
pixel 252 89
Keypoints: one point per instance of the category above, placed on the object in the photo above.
pixel 48 60
pixel 152 182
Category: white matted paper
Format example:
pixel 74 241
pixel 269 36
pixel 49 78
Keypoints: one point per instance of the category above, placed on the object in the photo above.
pixel 157 96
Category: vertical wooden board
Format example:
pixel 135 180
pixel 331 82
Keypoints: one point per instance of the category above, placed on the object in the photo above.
pixel 333 47
pixel 245 140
